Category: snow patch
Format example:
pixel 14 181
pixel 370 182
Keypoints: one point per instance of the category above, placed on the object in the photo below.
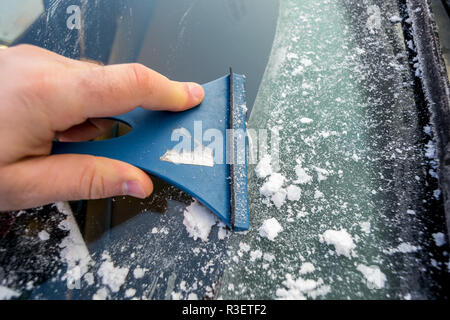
pixel 263 168
pixel 302 175
pixel 439 239
pixel 270 229
pixel 129 293
pixel 101 294
pixel 113 277
pixel 395 19
pixel 255 255
pixel 293 193
pixel 300 289
pixel 139 272
pixel 374 19
pixel 365 226
pixel 7 293
pixel 374 277
pixel 306 120
pixel 74 251
pixel 43 235
pixel 198 221
pixel 272 189
pixel 272 185
pixel 341 240
pixel 307 267
pixel 404 247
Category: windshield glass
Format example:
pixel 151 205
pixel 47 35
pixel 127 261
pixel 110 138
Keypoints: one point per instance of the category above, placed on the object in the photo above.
pixel 123 247
pixel 344 201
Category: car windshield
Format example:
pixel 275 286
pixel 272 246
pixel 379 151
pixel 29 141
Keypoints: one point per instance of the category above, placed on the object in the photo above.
pixel 340 200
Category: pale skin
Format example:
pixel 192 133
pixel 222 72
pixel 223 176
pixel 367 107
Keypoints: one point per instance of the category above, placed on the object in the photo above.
pixel 43 96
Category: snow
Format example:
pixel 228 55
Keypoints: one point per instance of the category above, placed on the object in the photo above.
pixel 374 277
pixel 272 185
pixel 176 296
pixel 222 233
pixel 300 289
pixel 255 255
pixel 322 174
pixel 198 221
pixel 306 62
pixel 306 120
pixel 307 267
pixel 73 248
pixel 89 278
pixel 272 189
pixel 244 247
pixel 113 277
pixel 130 293
pixel 263 168
pixel 430 150
pixel 407 248
pixel 268 257
pixel 293 193
pixel 192 296
pixel 302 176
pixel 279 198
pixel 291 55
pixel 101 294
pixel 374 19
pixel 7 293
pixel 395 19
pixel 341 240
pixel 404 247
pixel 298 71
pixel 44 235
pixel 365 226
pixel 270 229
pixel 439 239
pixel 437 194
pixel 139 272
pixel 318 194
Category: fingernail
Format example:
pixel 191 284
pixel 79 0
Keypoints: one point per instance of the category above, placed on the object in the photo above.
pixel 134 189
pixel 196 91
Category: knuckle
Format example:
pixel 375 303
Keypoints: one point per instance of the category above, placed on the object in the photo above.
pixel 91 185
pixel 139 76
pixel 29 77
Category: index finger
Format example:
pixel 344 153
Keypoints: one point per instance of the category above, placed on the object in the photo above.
pixel 103 91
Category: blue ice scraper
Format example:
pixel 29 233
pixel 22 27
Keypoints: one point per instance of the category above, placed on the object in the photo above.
pixel 222 185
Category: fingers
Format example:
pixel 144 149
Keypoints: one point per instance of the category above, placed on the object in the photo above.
pixel 71 91
pixel 111 90
pixel 85 131
pixel 43 180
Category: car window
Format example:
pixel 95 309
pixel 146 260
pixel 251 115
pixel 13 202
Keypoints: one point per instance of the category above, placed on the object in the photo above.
pixel 343 179
pixel 123 247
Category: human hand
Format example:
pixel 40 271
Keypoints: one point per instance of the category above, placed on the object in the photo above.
pixel 44 95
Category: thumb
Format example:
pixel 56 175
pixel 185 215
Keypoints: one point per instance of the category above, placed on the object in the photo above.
pixel 42 180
